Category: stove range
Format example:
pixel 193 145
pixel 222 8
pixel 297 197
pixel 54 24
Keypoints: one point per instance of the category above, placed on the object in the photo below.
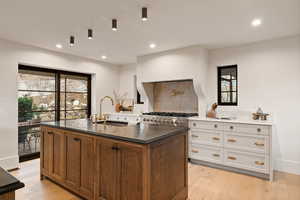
pixel 167 118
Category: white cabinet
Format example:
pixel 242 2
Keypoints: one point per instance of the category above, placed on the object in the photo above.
pixel 242 147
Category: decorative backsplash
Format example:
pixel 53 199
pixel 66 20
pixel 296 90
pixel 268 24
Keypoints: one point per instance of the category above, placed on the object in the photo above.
pixel 175 96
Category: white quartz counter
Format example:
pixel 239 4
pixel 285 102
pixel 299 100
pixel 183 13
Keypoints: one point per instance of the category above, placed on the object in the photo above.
pixel 238 120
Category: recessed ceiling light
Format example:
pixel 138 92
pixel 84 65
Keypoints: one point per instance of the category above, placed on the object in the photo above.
pixel 152 45
pixel 256 22
pixel 59 46
pixel 104 57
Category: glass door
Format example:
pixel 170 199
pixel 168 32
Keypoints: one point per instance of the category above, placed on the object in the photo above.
pixel 36 103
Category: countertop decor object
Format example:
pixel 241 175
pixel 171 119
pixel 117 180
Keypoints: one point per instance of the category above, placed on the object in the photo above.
pixel 8 185
pixel 260 115
pixel 212 112
pixel 115 160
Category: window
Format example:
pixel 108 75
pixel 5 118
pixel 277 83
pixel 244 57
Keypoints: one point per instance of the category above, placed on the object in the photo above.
pixel 48 95
pixel 74 94
pixel 227 85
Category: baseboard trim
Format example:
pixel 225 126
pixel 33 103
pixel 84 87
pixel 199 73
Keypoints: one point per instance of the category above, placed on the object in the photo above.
pixel 288 166
pixel 231 169
pixel 11 162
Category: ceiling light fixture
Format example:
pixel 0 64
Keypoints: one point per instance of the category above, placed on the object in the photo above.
pixel 256 22
pixel 152 45
pixel 59 46
pixel 114 25
pixel 144 14
pixel 103 57
pixel 90 34
pixel 72 41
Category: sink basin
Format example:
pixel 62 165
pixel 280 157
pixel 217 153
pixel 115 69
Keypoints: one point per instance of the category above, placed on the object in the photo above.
pixel 113 123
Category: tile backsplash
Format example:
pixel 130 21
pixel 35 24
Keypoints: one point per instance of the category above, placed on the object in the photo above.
pixel 175 96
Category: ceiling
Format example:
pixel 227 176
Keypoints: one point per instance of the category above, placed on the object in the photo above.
pixel 172 24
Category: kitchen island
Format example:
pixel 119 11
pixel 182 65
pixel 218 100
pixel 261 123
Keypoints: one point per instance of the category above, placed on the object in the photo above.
pixel 8 185
pixel 116 161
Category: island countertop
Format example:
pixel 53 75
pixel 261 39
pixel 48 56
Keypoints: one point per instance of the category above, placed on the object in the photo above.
pixel 8 183
pixel 138 133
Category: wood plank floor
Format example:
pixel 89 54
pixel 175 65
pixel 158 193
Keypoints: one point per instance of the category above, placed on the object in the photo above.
pixel 204 184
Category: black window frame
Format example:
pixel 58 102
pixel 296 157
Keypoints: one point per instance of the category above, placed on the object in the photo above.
pixel 57 91
pixel 220 68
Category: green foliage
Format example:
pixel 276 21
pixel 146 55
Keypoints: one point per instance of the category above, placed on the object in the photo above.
pixel 25 109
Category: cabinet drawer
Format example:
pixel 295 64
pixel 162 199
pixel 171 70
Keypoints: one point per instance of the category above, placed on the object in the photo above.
pixel 206 137
pixel 247 161
pixel 252 143
pixel 206 125
pixel 252 129
pixel 206 153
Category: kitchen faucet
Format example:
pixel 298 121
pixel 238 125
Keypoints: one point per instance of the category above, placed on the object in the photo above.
pixel 101 101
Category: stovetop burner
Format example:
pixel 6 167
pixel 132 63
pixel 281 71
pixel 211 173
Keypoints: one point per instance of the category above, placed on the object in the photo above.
pixel 171 114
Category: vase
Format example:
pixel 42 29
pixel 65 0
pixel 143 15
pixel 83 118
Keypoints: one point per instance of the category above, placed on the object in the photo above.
pixel 118 107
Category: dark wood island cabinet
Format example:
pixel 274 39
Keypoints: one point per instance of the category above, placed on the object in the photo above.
pixel 100 162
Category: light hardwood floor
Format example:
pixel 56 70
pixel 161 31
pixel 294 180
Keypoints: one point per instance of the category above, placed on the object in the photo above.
pixel 204 184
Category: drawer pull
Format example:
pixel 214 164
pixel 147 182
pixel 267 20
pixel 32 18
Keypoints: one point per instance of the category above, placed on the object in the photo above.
pixel 231 127
pixel 76 139
pixel 259 163
pixel 259 144
pixel 216 155
pixel 194 124
pixel 50 133
pixel 216 138
pixel 216 125
pixel 231 140
pixel 231 158
pixel 259 130
pixel 195 151
pixel 195 136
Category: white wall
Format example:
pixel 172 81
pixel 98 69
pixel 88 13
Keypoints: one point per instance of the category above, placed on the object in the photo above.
pixel 127 80
pixel 185 63
pixel 268 76
pixel 105 80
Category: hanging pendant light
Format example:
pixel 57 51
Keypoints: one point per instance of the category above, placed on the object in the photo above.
pixel 114 25
pixel 90 34
pixel 72 41
pixel 144 14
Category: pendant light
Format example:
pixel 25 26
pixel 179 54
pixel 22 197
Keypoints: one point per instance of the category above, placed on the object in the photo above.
pixel 144 14
pixel 90 34
pixel 72 41
pixel 114 25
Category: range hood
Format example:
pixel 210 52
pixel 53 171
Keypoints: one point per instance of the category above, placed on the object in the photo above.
pixel 172 96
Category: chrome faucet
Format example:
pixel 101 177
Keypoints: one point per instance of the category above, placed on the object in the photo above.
pixel 101 101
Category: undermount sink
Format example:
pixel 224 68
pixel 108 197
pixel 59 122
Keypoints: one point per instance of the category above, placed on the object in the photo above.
pixel 113 123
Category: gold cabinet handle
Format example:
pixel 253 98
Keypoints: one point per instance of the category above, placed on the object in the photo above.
pixel 231 140
pixel 216 138
pixel 195 151
pixel 259 144
pixel 216 155
pixel 231 158
pixel 195 136
pixel 259 163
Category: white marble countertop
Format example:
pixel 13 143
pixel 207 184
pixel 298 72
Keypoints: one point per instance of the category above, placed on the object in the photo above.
pixel 124 113
pixel 238 120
